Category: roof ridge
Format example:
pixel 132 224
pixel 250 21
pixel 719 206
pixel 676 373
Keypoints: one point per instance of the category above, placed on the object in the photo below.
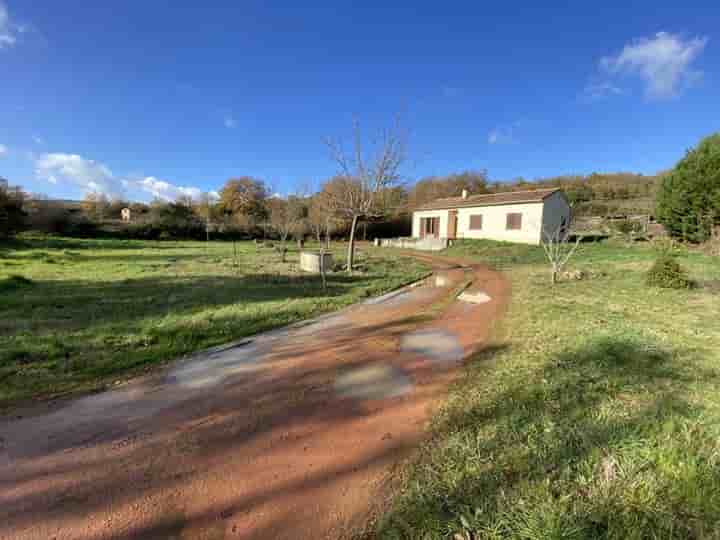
pixel 486 199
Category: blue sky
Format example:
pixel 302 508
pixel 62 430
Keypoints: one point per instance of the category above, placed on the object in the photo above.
pixel 145 98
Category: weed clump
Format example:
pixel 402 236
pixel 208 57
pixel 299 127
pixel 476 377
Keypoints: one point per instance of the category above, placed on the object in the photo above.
pixel 667 273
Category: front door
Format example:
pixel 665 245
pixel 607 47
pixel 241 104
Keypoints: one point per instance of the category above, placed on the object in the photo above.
pixel 452 224
pixel 430 227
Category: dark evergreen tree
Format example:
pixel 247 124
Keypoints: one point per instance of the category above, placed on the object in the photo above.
pixel 688 202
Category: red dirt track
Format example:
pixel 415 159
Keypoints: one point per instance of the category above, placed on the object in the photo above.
pixel 272 449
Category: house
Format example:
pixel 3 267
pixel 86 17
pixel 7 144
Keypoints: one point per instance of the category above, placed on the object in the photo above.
pixel 125 215
pixel 514 216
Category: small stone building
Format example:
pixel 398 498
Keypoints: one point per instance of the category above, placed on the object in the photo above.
pixel 125 214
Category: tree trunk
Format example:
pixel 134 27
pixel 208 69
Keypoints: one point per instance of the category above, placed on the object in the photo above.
pixel 351 245
pixel 555 274
pixel 322 268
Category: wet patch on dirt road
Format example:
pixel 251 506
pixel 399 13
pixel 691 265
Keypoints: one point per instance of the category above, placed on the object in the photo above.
pixel 373 381
pixel 438 346
pixel 215 367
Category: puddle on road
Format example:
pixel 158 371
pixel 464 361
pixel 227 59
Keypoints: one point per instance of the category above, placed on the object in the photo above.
pixel 331 322
pixel 213 368
pixel 376 381
pixel 415 294
pixel 438 346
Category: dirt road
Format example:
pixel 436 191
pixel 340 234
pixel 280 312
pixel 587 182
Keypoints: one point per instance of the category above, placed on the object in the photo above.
pixel 290 435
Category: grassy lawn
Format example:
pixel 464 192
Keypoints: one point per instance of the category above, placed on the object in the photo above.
pixel 75 314
pixel 595 414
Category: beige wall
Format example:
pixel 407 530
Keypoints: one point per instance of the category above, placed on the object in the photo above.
pixel 495 220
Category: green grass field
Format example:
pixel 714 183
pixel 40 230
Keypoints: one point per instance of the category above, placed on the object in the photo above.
pixel 77 314
pixel 594 414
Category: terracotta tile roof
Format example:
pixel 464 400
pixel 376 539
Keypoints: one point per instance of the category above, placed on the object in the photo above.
pixel 491 199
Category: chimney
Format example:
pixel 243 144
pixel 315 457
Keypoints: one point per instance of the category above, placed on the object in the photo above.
pixel 464 194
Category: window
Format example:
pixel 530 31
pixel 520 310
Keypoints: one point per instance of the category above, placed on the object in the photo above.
pixel 514 222
pixel 476 222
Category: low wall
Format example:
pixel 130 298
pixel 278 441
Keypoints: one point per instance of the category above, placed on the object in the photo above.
pixel 421 244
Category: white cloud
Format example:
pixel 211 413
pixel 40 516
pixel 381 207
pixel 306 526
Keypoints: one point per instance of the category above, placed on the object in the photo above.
pixel 92 176
pixel 229 121
pixel 87 174
pixel 3 150
pixel 9 30
pixel 165 190
pixel 502 134
pixel 595 91
pixel 663 62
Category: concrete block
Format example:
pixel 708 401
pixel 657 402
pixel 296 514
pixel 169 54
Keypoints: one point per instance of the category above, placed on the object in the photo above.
pixel 310 261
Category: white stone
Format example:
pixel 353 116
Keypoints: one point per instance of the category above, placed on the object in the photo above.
pixel 478 297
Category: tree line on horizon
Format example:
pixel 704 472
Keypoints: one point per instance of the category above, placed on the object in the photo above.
pixel 247 205
pixel 381 202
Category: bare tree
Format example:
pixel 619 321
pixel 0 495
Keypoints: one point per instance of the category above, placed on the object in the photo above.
pixel 286 216
pixel 365 171
pixel 96 205
pixel 205 207
pixel 559 249
pixel 185 200
pixel 321 218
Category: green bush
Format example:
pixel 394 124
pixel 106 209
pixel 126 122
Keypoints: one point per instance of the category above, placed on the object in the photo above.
pixel 688 202
pixel 667 273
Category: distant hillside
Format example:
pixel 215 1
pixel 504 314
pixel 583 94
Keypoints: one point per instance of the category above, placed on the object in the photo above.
pixel 65 204
pixel 597 194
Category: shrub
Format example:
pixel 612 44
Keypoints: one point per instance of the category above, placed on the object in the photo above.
pixel 667 273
